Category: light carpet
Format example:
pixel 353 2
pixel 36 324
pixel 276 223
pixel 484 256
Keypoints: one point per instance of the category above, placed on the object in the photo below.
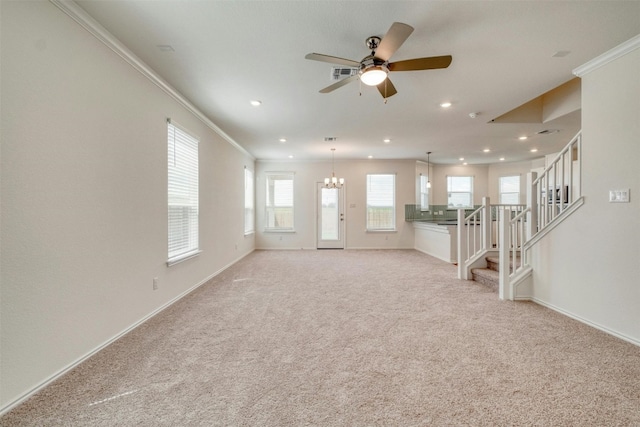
pixel 348 338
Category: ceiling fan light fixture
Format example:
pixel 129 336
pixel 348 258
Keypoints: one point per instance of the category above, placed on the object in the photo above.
pixel 373 76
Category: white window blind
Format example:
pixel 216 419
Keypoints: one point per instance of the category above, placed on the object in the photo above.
pixel 249 212
pixel 424 193
pixel 460 192
pixel 279 201
pixel 381 202
pixel 509 190
pixel 182 194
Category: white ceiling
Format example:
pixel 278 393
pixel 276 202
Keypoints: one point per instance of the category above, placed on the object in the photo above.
pixel 226 53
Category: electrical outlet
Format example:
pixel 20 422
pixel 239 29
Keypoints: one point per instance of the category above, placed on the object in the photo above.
pixel 155 283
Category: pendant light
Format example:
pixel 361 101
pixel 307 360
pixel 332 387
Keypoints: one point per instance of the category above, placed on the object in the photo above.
pixel 333 182
pixel 428 171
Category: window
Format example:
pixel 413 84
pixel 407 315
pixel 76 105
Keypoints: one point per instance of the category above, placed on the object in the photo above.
pixel 509 188
pixel 182 194
pixel 460 192
pixel 279 203
pixel 381 202
pixel 424 193
pixel 249 212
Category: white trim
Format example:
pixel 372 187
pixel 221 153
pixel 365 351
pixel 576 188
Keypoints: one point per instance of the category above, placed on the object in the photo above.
pixel 116 337
pixel 553 224
pixel 183 257
pixel 76 13
pixel 611 55
pixel 586 322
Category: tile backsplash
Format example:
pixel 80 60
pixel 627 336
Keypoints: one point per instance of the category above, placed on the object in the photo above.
pixel 435 213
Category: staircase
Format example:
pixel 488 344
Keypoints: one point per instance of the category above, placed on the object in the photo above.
pixel 552 196
pixel 490 276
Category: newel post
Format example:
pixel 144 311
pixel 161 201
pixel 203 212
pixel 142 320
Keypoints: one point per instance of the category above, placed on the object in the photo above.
pixel 486 223
pixel 462 247
pixel 504 288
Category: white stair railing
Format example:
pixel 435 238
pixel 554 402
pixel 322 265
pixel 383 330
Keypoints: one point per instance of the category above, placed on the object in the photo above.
pixel 476 233
pixel 551 197
pixel 559 185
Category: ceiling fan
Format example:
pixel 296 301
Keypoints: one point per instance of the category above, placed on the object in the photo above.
pixel 373 69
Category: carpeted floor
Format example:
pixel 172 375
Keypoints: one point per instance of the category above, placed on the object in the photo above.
pixel 348 338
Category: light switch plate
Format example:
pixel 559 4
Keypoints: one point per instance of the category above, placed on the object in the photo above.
pixel 619 196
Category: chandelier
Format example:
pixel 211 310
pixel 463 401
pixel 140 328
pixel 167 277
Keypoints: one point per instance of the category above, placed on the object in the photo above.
pixel 333 182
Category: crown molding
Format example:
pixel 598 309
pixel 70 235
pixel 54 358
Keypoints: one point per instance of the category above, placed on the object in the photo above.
pixel 611 55
pixel 78 14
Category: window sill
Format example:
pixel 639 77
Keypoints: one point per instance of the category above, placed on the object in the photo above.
pixel 183 257
pixel 381 231
pixel 249 233
pixel 275 230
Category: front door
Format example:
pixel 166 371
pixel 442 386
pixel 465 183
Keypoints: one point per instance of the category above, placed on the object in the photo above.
pixel 330 217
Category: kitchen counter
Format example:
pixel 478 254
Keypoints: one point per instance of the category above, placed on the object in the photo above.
pixel 438 238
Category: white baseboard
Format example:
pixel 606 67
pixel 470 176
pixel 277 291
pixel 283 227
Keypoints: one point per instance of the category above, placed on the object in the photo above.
pixel 602 328
pixel 81 359
pixel 452 261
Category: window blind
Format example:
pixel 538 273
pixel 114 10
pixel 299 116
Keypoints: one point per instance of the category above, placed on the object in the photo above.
pixel 424 193
pixel 509 190
pixel 460 191
pixel 182 194
pixel 249 211
pixel 279 202
pixel 381 202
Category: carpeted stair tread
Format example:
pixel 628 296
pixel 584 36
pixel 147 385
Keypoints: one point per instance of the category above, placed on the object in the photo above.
pixel 486 276
pixel 493 263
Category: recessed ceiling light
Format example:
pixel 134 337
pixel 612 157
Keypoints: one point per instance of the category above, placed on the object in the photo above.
pixel 461 158
pixel 533 150
pixel 386 140
pixel 486 150
pixel 291 156
pixel 369 156
pixel 255 103
pixel 501 159
pixel 522 138
pixel 282 140
pixel 465 163
pixel 445 105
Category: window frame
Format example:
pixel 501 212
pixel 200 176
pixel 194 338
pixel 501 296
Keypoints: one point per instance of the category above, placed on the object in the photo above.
pixel 450 191
pixel 249 202
pixel 500 192
pixel 371 227
pixel 424 193
pixel 270 203
pixel 183 192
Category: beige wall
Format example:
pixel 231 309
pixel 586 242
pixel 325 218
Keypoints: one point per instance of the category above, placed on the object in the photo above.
pixel 308 174
pixel 84 198
pixel 589 266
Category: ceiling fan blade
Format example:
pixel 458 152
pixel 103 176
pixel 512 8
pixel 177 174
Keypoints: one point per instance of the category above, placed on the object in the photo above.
pixel 429 63
pixel 391 41
pixel 332 59
pixel 339 84
pixel 386 88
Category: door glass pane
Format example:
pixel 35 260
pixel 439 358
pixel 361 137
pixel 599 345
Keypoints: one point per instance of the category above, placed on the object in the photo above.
pixel 330 214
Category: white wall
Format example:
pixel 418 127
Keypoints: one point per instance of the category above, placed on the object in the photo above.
pixel 84 204
pixel 308 174
pixel 439 181
pixel 589 266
